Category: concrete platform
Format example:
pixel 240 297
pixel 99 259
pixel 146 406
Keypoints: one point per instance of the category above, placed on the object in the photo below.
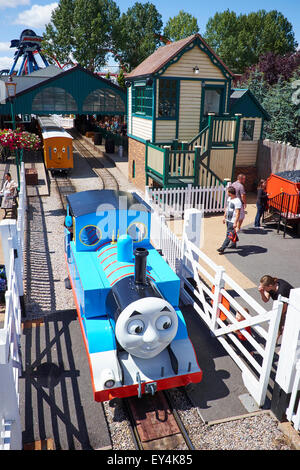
pixel 57 385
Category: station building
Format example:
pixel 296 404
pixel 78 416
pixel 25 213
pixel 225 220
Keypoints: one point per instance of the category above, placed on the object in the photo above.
pixel 186 123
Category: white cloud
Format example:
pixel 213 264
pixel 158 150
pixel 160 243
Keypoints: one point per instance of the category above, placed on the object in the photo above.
pixel 13 3
pixel 4 46
pixel 37 16
pixel 6 62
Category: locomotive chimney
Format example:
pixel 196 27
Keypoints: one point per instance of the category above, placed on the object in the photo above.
pixel 140 265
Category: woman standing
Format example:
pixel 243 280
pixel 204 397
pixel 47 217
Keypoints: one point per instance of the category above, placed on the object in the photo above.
pixel 261 202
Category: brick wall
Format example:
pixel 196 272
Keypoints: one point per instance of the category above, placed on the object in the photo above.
pixel 136 158
pixel 251 176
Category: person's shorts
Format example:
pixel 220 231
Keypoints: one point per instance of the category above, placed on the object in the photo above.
pixel 242 213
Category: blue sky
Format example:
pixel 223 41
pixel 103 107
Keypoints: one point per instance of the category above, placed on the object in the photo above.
pixel 16 15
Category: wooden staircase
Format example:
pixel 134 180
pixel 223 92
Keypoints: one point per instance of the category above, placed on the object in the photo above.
pixel 207 160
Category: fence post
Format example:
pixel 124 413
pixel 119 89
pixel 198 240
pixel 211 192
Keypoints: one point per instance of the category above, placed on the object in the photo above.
pixel 192 232
pixel 196 164
pixel 188 197
pixel 219 284
pixel 167 149
pixel 289 352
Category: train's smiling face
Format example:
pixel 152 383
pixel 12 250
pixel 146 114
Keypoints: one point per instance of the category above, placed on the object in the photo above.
pixel 146 327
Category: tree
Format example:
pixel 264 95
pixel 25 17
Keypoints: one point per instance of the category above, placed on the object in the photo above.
pixel 83 29
pixel 58 40
pixel 138 34
pixel 274 66
pixel 121 79
pixel 277 100
pixel 284 125
pixel 241 40
pixel 181 26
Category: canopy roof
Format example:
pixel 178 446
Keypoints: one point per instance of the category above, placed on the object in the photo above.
pixel 88 202
pixel 72 91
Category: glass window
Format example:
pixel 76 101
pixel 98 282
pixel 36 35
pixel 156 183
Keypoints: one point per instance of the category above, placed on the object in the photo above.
pixel 248 129
pixel 167 98
pixel 54 99
pixel 140 100
pixel 212 101
pixel 100 101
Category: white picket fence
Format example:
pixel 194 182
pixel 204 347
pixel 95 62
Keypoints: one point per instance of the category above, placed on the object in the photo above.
pixel 63 121
pixel 288 368
pixel 209 297
pixel 174 201
pixel 12 238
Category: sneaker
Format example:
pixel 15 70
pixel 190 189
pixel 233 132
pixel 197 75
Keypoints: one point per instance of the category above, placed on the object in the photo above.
pixel 233 245
pixel 220 250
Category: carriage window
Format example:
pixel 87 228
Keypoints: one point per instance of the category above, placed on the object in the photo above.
pixel 248 129
pixel 212 101
pixel 167 98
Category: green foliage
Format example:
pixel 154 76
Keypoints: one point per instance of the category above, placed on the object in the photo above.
pixel 121 79
pixel 138 34
pixel 241 40
pixel 58 40
pixel 181 26
pixel 83 28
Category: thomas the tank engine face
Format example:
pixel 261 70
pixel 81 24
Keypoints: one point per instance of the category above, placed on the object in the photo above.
pixel 146 327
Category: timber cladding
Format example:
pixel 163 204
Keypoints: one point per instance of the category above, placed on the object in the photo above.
pixel 136 163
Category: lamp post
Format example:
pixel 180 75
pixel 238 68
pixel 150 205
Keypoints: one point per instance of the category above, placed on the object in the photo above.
pixel 11 94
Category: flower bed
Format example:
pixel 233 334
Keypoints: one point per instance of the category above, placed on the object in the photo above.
pixel 19 140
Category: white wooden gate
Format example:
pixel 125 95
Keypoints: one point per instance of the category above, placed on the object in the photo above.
pixel 288 369
pixel 212 292
pixel 211 298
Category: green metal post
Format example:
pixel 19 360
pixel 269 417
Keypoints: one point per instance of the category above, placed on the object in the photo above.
pixel 17 151
pixel 236 142
pixel 166 165
pixel 196 165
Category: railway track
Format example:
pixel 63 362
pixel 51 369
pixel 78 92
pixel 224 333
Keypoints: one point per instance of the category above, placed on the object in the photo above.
pixel 64 183
pixel 156 425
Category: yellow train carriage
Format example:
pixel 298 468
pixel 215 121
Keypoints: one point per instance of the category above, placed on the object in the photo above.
pixel 57 146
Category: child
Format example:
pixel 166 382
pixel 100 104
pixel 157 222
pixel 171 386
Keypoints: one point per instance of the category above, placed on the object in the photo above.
pixel 231 217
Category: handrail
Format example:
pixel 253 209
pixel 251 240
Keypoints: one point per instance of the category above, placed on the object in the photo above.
pixel 285 203
pixel 194 139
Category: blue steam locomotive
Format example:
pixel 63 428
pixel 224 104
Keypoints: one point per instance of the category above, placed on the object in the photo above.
pixel 126 297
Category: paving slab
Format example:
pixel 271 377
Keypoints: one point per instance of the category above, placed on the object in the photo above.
pixel 217 395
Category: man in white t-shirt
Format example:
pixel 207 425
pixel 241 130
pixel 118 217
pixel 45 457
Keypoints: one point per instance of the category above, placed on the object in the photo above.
pixel 231 217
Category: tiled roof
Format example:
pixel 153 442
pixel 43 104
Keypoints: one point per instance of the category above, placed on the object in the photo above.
pixel 164 54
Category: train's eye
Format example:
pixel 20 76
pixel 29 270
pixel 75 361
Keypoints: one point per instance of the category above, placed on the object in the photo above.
pixel 135 327
pixel 163 323
pixel 55 150
pixel 63 149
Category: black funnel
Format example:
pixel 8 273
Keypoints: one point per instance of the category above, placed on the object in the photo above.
pixel 140 265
